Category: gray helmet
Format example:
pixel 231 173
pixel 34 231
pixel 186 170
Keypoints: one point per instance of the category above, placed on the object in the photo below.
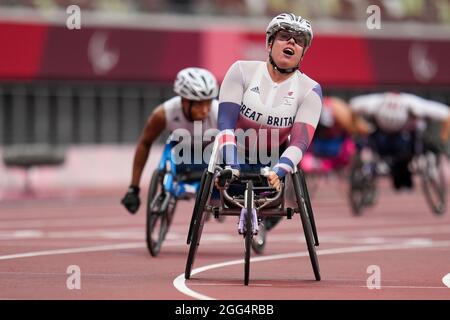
pixel 196 84
pixel 289 21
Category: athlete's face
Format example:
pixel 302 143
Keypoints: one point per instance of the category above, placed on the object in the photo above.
pixel 287 48
pixel 200 109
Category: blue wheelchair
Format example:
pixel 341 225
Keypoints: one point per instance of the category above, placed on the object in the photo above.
pixel 169 183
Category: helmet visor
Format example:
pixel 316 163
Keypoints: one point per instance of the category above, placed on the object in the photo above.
pixel 286 35
pixel 300 35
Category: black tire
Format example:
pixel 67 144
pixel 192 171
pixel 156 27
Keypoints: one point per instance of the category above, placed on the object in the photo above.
pixel 309 206
pixel 362 187
pixel 171 207
pixel 198 217
pixel 248 231
pixel 197 202
pixel 306 223
pixel 434 186
pixel 157 223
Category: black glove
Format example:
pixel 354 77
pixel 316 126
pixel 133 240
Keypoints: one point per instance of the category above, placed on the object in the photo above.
pixel 226 176
pixel 131 200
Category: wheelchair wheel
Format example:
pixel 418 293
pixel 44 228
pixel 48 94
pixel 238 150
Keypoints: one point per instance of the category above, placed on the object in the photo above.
pixel 362 187
pixel 305 192
pixel 433 184
pixel 157 222
pixel 248 230
pixel 306 222
pixel 198 220
pixel 197 202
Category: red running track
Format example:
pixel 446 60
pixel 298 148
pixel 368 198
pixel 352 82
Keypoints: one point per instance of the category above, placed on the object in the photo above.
pixel 41 238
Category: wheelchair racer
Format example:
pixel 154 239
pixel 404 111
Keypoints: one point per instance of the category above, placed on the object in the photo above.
pixel 397 118
pixel 333 147
pixel 274 99
pixel 196 90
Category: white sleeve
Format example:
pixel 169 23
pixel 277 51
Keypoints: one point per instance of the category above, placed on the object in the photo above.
pixel 214 112
pixel 366 104
pixel 426 108
pixel 232 87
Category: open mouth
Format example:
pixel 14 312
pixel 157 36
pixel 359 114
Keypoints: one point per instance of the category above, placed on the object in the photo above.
pixel 288 51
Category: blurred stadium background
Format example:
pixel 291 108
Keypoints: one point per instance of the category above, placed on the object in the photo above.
pixel 89 91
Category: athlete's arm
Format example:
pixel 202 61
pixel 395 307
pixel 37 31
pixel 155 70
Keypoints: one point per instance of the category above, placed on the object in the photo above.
pixel 230 98
pixel 366 104
pixel 154 126
pixel 351 122
pixel 433 110
pixel 302 132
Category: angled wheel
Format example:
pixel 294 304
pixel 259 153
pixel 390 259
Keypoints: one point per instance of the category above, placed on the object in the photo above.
pixel 433 183
pixel 196 204
pixel 362 186
pixel 197 221
pixel 306 223
pixel 248 230
pixel 309 206
pixel 157 222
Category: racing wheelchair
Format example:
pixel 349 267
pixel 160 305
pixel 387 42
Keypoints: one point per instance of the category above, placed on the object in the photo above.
pixel 367 165
pixel 257 201
pixel 169 183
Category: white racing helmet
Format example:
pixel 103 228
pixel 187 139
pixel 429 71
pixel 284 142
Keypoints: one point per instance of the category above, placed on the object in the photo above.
pixel 289 21
pixel 196 84
pixel 392 115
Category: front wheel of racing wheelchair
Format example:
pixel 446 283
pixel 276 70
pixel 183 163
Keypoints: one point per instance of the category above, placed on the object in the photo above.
pixel 198 219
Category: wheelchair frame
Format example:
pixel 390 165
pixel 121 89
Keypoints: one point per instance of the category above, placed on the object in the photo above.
pixel 202 207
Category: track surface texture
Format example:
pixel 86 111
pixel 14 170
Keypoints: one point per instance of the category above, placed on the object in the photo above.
pixel 396 250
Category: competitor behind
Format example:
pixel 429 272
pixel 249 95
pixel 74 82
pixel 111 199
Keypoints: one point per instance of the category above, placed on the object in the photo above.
pixel 274 97
pixel 332 147
pixel 397 118
pixel 196 89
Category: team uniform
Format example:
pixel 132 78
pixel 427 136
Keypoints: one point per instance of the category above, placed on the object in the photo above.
pixel 176 119
pixel 189 132
pixel 288 111
pixel 401 106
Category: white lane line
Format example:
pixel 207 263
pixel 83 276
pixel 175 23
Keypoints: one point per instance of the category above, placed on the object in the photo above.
pixel 132 245
pixel 120 246
pixel 56 222
pixel 446 280
pixel 315 286
pixel 180 283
